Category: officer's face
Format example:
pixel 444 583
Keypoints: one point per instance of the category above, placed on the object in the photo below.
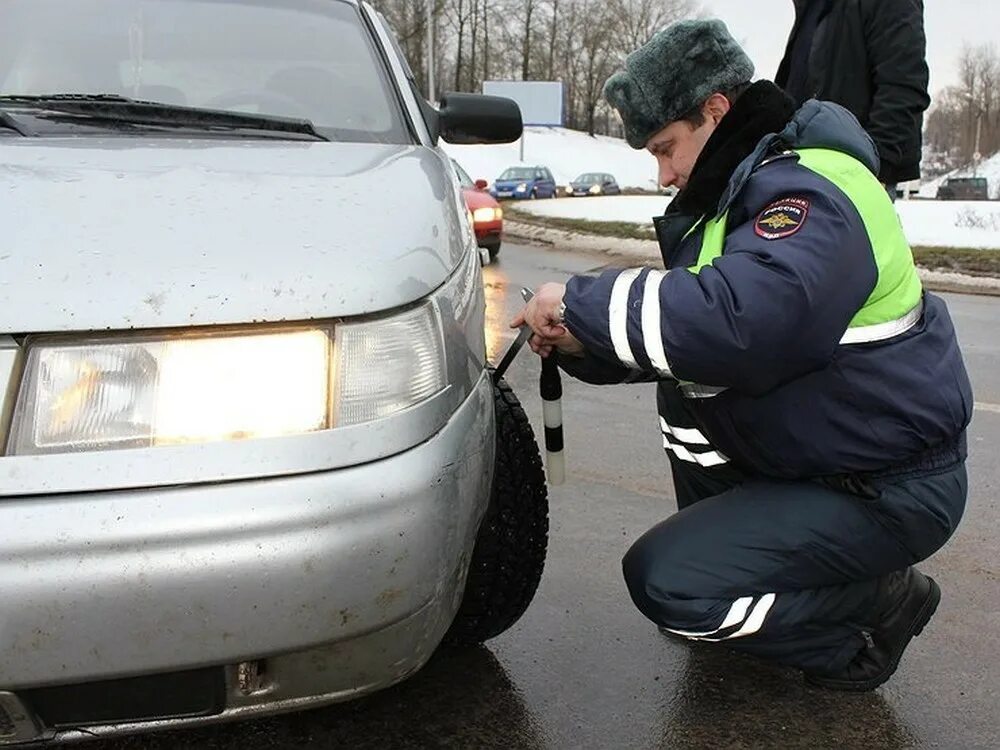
pixel 678 146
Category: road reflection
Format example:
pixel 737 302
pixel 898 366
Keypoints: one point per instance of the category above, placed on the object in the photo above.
pixel 724 699
pixel 498 316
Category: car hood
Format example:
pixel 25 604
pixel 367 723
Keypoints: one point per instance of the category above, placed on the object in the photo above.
pixel 143 233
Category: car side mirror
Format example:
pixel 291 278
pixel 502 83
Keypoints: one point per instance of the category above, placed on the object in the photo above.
pixel 477 118
pixel 481 184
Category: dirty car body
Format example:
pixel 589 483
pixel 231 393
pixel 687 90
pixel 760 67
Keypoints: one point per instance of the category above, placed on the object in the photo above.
pixel 246 423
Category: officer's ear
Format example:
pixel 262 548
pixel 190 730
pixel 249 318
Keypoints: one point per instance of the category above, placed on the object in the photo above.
pixel 716 107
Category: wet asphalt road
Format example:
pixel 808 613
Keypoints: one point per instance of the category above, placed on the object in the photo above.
pixel 582 669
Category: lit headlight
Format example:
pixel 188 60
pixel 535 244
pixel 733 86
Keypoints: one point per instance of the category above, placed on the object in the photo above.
pixel 140 392
pixel 124 391
pixel 595 190
pixel 522 187
pixel 486 214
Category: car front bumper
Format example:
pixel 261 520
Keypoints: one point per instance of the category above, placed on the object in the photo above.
pixel 324 585
pixel 489 233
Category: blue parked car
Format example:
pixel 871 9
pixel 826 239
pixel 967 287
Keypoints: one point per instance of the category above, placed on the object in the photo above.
pixel 524 182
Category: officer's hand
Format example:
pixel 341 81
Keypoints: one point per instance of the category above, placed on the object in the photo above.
pixel 542 315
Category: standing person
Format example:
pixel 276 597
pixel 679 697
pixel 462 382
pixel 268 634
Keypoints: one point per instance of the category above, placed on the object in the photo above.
pixel 870 57
pixel 812 397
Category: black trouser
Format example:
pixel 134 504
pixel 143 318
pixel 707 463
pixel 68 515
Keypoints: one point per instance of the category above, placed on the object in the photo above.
pixel 788 570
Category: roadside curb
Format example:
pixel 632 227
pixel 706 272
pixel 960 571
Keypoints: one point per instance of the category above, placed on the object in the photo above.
pixel 645 252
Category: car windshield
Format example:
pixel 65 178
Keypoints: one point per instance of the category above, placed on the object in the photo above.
pixel 463 177
pixel 588 179
pixel 305 59
pixel 518 173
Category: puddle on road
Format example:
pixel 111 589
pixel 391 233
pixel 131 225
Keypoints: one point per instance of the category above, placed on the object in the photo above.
pixel 498 315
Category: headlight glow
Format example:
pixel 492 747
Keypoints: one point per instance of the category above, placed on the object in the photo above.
pixel 115 391
pixel 140 393
pixel 595 190
pixel 522 187
pixel 486 214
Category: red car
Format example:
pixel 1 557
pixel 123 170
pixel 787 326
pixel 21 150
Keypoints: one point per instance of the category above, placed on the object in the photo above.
pixel 487 216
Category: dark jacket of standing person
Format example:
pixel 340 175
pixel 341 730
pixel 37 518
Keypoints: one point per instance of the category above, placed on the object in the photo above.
pixel 868 56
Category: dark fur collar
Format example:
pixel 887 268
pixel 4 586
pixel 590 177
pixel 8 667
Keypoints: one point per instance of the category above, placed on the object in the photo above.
pixel 762 109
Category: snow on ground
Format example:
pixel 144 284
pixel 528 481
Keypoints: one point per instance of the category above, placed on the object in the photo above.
pixel 951 223
pixel 637 209
pixel 973 224
pixel 568 153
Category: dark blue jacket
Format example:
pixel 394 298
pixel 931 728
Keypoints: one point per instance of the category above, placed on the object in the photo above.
pixel 764 321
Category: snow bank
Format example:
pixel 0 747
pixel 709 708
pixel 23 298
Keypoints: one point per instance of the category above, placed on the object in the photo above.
pixel 568 153
pixel 971 224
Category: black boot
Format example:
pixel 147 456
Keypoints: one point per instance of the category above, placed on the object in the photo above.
pixel 907 600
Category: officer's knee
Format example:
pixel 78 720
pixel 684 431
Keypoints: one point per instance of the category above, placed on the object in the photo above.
pixel 650 571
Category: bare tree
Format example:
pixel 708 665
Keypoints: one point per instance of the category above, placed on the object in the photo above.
pixel 486 40
pixel 529 10
pixel 578 42
pixel 966 117
pixel 553 26
pixel 635 21
pixel 598 60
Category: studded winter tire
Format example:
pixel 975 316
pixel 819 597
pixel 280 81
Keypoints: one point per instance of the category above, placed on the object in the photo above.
pixel 510 549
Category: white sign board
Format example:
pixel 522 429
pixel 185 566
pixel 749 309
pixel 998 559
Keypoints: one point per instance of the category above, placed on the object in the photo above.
pixel 541 102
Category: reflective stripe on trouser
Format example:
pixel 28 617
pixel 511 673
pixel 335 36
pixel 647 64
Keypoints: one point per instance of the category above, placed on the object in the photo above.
pixel 690 444
pixel 797 588
pixel 692 481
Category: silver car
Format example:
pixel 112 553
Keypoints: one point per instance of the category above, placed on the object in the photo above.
pixel 252 458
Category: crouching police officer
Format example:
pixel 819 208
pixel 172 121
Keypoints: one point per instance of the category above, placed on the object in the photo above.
pixel 812 397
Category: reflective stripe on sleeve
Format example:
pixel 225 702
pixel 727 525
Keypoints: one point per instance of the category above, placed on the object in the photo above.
pixel 618 316
pixel 652 334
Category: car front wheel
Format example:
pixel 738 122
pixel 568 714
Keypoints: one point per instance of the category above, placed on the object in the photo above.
pixel 510 549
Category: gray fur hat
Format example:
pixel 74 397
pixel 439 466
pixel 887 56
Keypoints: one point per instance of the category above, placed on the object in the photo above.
pixel 675 71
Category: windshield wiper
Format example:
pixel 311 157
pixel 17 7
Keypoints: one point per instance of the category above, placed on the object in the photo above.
pixel 112 108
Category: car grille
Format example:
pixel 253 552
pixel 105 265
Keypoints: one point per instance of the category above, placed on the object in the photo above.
pixel 174 695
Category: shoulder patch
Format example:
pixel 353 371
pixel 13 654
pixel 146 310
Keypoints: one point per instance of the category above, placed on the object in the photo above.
pixel 783 218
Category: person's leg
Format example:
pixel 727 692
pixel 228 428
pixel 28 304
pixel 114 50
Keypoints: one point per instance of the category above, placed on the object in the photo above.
pixel 791 571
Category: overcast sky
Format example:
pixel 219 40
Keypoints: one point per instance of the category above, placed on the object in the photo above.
pixel 762 27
